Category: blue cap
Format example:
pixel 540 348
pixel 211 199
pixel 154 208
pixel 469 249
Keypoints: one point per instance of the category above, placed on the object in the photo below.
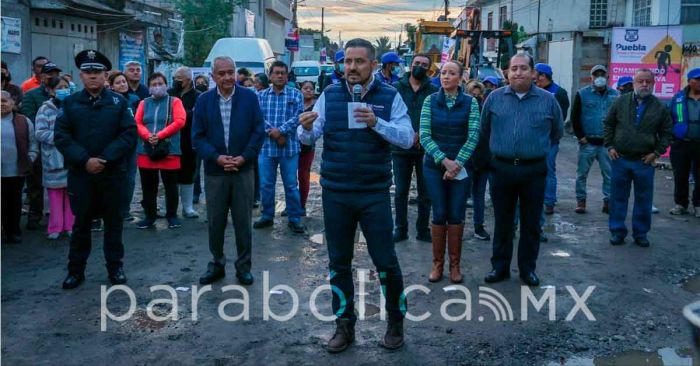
pixel 390 57
pixel 340 56
pixel 694 73
pixel 544 69
pixel 491 79
pixel 628 80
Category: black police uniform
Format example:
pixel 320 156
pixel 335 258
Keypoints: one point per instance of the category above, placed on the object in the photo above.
pixel 99 126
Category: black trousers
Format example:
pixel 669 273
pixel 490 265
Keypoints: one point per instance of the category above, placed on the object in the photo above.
pixel 685 157
pixel 92 197
pixel 11 204
pixel 403 172
pixel 509 184
pixel 149 186
pixel 342 211
pixel 188 164
pixel 35 192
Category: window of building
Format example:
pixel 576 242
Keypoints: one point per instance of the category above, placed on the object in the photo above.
pixel 502 16
pixel 489 21
pixel 599 13
pixel 641 13
pixel 690 11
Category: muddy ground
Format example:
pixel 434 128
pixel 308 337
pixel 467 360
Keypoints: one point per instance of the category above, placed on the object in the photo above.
pixel 637 300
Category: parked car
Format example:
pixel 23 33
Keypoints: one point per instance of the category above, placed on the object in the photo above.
pixel 255 54
pixel 307 71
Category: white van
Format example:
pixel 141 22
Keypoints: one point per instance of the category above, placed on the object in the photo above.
pixel 307 71
pixel 255 54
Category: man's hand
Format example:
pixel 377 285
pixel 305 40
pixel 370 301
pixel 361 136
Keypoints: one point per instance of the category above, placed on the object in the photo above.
pixel 224 160
pixel 274 133
pixel 649 159
pixel 307 119
pixel 282 140
pixel 448 176
pixel 613 154
pixel 583 141
pixel 95 165
pixel 153 139
pixel 238 161
pixel 366 115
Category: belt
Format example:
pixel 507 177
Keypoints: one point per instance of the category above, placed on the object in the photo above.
pixel 518 161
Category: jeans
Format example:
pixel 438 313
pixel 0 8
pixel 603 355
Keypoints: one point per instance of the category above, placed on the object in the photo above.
pixel 550 193
pixel 130 183
pixel 510 184
pixel 587 154
pixel 268 178
pixel 624 173
pixel 342 211
pixel 479 180
pixel 685 154
pixel 403 172
pixel 231 193
pixel 448 197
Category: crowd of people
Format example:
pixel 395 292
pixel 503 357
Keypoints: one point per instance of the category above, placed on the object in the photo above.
pixel 457 137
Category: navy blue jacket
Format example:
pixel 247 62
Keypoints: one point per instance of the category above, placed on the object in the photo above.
pixel 246 132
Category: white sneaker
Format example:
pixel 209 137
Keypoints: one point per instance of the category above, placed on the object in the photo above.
pixel 53 236
pixel 678 210
pixel 654 209
pixel 190 214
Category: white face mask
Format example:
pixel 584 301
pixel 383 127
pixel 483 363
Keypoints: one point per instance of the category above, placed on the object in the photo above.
pixel 158 91
pixel 600 82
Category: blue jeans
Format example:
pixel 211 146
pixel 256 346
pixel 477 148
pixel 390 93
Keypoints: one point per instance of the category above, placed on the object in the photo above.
pixel 550 193
pixel 479 180
pixel 587 154
pixel 342 211
pixel 268 179
pixel 624 173
pixel 448 197
pixel 130 183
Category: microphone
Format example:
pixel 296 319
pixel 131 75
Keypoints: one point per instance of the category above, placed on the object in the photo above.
pixel 356 92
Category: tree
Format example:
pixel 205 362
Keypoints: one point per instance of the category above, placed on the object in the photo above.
pixel 518 35
pixel 383 45
pixel 410 35
pixel 205 22
pixel 309 32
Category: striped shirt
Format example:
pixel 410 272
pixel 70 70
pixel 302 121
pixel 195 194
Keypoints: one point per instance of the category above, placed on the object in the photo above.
pixel 521 127
pixel 426 134
pixel 225 108
pixel 282 112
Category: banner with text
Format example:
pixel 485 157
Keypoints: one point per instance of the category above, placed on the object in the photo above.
pixel 656 48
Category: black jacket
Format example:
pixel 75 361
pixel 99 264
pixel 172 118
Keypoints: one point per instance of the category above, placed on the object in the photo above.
pixel 90 127
pixel 414 102
pixel 189 99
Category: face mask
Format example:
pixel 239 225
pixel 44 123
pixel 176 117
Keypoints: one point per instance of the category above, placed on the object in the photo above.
pixel 61 94
pixel 395 70
pixel 72 87
pixel 177 85
pixel 419 72
pixel 341 68
pixel 600 82
pixel 158 91
pixel 202 88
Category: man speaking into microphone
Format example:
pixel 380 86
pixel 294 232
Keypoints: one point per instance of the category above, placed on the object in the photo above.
pixel 360 118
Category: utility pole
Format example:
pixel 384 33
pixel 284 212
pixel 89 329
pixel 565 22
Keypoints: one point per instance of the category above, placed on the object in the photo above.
pixel 447 7
pixel 537 35
pixel 340 39
pixel 295 27
pixel 323 30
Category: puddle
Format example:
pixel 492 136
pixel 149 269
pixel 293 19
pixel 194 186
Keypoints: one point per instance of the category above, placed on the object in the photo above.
pixel 662 357
pixel 560 253
pixel 692 284
pixel 279 259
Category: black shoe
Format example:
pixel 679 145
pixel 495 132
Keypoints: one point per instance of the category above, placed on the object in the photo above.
pixel 296 227
pixel 543 237
pixel 400 236
pixel 73 281
pixel 642 242
pixel 424 235
pixel 393 338
pixel 530 279
pixel 174 223
pixel 495 276
pixel 117 276
pixel 96 225
pixel 32 225
pixel 145 224
pixel 263 223
pixel 617 240
pixel 480 233
pixel 343 337
pixel 245 278
pixel 214 273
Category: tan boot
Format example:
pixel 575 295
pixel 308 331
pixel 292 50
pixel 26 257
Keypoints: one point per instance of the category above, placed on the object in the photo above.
pixel 454 248
pixel 439 241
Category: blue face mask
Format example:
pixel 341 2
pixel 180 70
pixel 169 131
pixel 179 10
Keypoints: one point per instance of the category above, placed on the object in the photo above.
pixel 72 87
pixel 396 70
pixel 341 68
pixel 61 94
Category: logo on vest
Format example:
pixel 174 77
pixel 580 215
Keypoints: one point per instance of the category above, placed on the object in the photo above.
pixel 375 107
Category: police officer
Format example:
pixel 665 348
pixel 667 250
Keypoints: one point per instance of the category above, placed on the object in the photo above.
pixel 95 133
